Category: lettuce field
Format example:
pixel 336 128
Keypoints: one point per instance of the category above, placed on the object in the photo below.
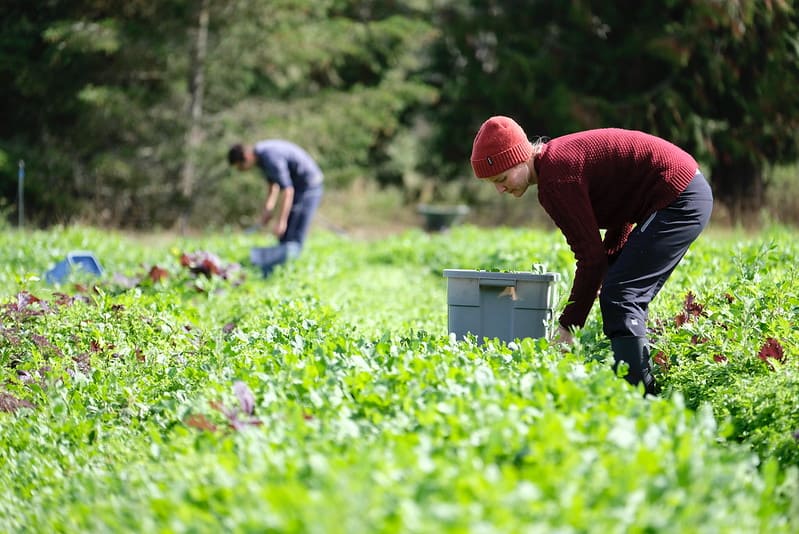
pixel 182 392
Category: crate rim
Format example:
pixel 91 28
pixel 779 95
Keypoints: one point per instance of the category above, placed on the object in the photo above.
pixel 501 275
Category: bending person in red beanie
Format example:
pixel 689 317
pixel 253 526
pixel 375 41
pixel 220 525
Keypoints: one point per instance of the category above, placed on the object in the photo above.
pixel 646 193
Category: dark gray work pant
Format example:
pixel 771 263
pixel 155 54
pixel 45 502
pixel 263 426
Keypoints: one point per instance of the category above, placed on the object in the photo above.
pixel 651 253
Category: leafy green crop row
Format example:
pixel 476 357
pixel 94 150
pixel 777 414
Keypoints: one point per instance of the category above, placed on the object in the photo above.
pixel 330 398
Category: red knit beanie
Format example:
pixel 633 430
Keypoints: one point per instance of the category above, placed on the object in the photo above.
pixel 500 144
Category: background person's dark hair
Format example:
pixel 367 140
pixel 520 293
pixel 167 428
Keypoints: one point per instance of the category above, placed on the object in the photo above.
pixel 235 154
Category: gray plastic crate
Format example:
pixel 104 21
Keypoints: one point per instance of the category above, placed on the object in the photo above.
pixel 499 304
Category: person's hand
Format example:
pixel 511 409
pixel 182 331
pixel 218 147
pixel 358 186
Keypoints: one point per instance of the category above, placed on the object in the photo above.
pixel 280 229
pixel 563 337
pixel 266 216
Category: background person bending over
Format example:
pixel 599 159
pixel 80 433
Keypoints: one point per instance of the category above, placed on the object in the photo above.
pixel 648 195
pixel 289 169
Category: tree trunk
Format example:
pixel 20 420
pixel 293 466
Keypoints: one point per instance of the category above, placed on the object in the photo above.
pixel 738 184
pixel 194 135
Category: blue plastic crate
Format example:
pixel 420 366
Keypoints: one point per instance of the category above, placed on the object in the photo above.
pixel 267 258
pixel 75 260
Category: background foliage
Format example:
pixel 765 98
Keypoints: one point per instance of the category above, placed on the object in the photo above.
pixel 98 98
pixel 714 77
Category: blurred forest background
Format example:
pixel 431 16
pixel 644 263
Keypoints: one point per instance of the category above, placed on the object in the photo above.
pixel 123 110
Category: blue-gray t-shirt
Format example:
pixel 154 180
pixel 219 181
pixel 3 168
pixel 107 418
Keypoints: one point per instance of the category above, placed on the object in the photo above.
pixel 287 165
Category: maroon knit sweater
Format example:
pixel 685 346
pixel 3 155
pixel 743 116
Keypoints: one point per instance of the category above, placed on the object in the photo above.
pixel 605 179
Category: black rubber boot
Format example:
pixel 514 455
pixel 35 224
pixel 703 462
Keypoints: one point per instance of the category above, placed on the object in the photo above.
pixel 635 352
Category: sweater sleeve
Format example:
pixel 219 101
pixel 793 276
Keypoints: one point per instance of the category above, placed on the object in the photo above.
pixel 570 208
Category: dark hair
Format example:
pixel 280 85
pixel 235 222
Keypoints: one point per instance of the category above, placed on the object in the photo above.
pixel 235 154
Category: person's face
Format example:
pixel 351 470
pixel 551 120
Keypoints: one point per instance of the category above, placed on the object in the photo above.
pixel 247 163
pixel 515 180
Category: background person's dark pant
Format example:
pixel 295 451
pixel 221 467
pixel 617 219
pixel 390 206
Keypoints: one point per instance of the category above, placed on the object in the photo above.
pixel 650 255
pixel 290 245
pixel 301 215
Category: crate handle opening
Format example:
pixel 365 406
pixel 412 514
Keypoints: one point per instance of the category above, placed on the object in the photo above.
pixel 497 283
